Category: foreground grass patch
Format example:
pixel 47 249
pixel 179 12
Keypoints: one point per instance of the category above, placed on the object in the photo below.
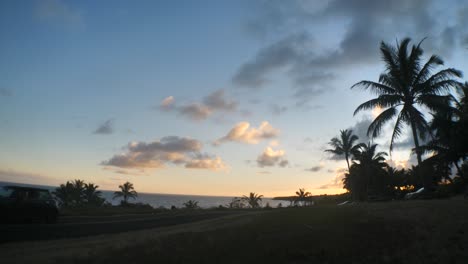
pixel 397 232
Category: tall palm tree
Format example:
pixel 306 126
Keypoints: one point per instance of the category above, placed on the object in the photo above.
pixel 450 129
pixel 253 200
pixel 302 195
pixel 344 145
pixel 126 191
pixel 406 85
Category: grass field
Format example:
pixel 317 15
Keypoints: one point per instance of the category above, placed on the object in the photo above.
pixel 432 231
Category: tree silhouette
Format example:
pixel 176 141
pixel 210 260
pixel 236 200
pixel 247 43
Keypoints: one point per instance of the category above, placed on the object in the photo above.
pixel 64 194
pixel 450 129
pixel 191 204
pixel 253 200
pixel 367 174
pixel 126 191
pixel 92 195
pixel 236 203
pixel 301 196
pixel 405 85
pixel 344 145
pixel 78 193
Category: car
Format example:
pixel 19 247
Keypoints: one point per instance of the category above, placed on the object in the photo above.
pixel 415 195
pixel 27 204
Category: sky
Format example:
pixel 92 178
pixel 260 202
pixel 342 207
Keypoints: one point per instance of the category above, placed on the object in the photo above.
pixel 201 97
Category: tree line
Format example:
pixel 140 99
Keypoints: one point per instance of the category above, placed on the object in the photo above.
pixel 405 91
pixel 77 193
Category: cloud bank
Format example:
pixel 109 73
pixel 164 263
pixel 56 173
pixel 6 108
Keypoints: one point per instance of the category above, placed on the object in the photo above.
pixel 169 150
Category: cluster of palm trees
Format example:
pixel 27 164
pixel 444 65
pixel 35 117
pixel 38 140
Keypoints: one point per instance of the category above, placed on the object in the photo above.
pixel 78 193
pixel 405 92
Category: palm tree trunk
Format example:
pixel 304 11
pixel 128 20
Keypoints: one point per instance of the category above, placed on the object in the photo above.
pixel 426 181
pixel 416 142
pixel 347 161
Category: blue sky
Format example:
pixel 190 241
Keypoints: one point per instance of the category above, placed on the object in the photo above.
pixel 199 97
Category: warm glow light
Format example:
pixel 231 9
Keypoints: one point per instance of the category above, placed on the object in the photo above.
pixel 376 111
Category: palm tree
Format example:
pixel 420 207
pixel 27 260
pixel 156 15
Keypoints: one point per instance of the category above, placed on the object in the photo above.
pixel 64 194
pixel 92 195
pixel 301 196
pixel 344 145
pixel 126 191
pixel 450 129
pixel 367 172
pixel 406 84
pixel 78 191
pixel 191 204
pixel 253 200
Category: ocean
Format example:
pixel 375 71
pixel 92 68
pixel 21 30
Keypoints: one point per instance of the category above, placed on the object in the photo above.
pixel 157 200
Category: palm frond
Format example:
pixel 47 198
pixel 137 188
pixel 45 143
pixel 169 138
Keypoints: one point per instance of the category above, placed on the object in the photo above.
pixel 376 126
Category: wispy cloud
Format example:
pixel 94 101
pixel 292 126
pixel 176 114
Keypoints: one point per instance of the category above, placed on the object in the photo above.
pixel 5 92
pixel 315 168
pixel 105 128
pixel 215 102
pixel 337 181
pixel 243 133
pixel 10 175
pixel 59 12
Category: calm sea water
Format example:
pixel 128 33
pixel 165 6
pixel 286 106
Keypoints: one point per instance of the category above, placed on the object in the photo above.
pixel 165 200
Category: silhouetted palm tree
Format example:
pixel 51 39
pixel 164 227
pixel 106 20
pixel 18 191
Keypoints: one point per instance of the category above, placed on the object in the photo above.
pixel 191 204
pixel 450 129
pixel 126 191
pixel 64 194
pixel 406 84
pixel 301 196
pixel 253 200
pixel 92 195
pixel 367 171
pixel 344 145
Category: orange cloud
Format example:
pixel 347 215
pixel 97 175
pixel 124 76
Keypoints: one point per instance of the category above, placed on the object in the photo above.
pixel 271 157
pixel 243 133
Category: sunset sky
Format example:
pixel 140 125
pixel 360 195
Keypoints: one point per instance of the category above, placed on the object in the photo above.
pixel 200 97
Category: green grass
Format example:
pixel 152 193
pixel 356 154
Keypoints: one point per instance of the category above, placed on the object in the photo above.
pixel 396 232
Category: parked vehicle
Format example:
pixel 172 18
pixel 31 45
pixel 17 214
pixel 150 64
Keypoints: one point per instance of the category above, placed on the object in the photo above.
pixel 415 195
pixel 26 204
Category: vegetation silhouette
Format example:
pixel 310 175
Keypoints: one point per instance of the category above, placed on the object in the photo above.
pixel 344 145
pixel 302 197
pixel 191 204
pixel 77 193
pixel 404 91
pixel 407 83
pixel 126 191
pixel 253 200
